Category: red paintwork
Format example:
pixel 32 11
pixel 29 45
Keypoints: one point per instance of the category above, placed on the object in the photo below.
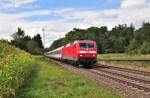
pixel 70 50
pixel 73 50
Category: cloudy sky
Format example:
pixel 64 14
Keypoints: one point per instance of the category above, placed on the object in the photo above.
pixel 58 17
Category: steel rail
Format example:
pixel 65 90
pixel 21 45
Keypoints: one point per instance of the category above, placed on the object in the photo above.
pixel 120 79
pixel 147 60
pixel 113 77
pixel 146 73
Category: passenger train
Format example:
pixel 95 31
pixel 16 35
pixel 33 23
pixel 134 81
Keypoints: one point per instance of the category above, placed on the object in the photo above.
pixel 79 52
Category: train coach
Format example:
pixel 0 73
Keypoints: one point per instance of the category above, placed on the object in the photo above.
pixel 80 52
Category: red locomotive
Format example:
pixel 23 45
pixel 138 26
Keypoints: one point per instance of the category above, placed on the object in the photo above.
pixel 80 52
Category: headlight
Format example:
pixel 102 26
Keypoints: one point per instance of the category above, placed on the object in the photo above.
pixel 82 51
pixel 92 51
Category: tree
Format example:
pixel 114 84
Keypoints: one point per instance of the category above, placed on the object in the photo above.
pixel 18 38
pixel 141 39
pixel 120 36
pixel 32 47
pixel 38 39
pixel 121 39
pixel 19 34
pixel 25 42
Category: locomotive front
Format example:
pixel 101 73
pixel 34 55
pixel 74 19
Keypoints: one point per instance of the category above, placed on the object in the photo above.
pixel 87 52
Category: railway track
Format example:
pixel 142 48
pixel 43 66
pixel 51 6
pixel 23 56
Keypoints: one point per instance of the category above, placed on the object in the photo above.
pixel 137 60
pixel 124 69
pixel 131 84
pixel 136 79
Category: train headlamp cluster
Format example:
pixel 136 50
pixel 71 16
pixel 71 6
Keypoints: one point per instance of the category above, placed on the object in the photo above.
pixel 92 51
pixel 82 51
pixel 87 51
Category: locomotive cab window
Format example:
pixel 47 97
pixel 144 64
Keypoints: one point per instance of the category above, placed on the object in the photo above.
pixel 83 45
pixel 90 45
pixel 86 45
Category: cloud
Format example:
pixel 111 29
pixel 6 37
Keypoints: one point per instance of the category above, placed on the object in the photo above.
pixel 15 3
pixel 134 12
pixel 107 1
pixel 10 22
pixel 130 12
pixel 55 29
pixel 19 3
pixel 133 3
pixel 86 18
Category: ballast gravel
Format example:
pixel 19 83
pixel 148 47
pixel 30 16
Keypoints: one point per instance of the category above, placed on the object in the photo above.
pixel 109 84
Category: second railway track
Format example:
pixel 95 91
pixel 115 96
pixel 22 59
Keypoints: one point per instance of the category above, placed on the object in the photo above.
pixel 134 78
pixel 130 84
pixel 125 69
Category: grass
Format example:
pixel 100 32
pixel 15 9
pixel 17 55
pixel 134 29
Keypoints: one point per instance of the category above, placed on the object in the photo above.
pixel 51 81
pixel 123 56
pixel 15 67
pixel 144 65
pixel 45 78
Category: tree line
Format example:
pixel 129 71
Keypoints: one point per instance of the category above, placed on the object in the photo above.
pixel 32 45
pixel 120 39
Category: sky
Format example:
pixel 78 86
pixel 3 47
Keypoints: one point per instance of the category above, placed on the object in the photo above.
pixel 57 17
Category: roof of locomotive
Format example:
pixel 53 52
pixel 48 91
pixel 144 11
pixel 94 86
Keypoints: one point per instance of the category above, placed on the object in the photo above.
pixel 90 41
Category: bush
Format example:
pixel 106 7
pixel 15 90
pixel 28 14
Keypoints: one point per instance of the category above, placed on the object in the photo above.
pixel 133 47
pixel 15 66
pixel 145 48
pixel 33 47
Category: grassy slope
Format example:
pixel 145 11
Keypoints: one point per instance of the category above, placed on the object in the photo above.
pixel 15 67
pixel 51 81
pixel 130 64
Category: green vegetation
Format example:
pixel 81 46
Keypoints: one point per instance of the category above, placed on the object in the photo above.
pixel 25 76
pixel 15 67
pixel 140 44
pixel 134 64
pixel 123 56
pixel 32 45
pixel 51 81
pixel 121 39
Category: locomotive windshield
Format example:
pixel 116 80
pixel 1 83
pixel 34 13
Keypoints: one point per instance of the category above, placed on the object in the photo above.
pixel 86 45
